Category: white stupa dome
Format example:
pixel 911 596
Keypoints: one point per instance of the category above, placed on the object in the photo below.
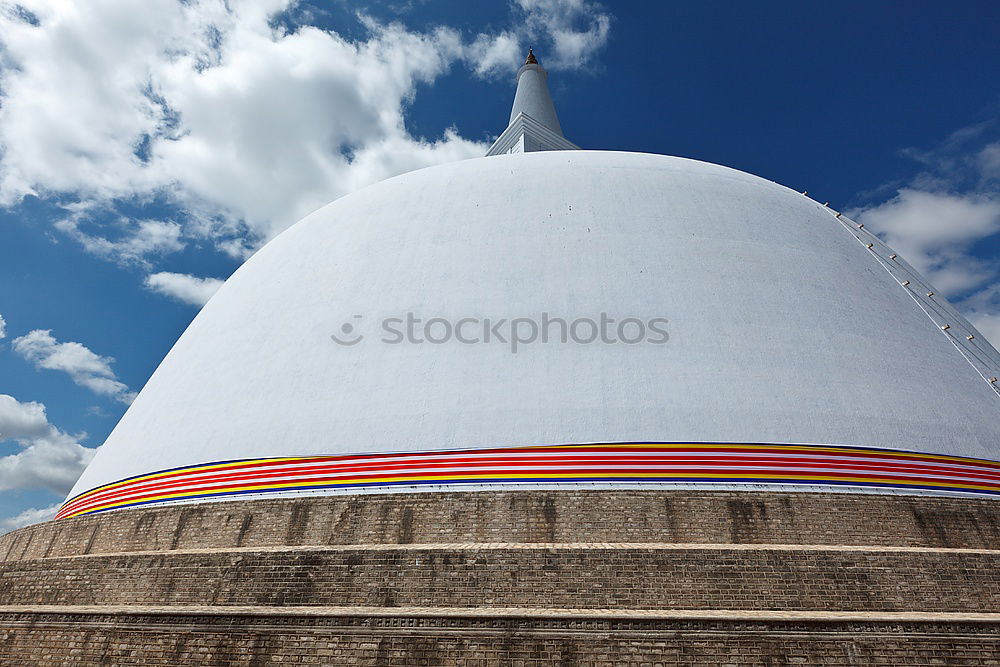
pixel 797 351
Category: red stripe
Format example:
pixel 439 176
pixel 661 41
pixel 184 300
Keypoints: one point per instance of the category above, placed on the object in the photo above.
pixel 750 449
pixel 583 472
pixel 555 462
pixel 767 459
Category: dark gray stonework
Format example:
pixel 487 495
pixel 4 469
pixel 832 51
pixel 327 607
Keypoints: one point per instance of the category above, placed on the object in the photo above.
pixel 532 578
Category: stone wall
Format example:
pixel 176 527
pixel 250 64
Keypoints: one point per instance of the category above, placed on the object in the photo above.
pixel 529 578
pixel 470 576
pixel 37 640
pixel 525 516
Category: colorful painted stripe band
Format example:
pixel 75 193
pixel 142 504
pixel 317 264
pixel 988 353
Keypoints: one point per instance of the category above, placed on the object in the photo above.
pixel 629 463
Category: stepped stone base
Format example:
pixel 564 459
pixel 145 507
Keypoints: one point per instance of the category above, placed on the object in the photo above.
pixel 529 577
pixel 403 636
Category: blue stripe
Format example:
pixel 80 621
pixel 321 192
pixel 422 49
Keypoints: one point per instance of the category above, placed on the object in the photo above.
pixel 547 480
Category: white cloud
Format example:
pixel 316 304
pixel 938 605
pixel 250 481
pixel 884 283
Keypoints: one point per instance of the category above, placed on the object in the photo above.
pixel 989 161
pixel 245 127
pixel 932 219
pixel 988 325
pixel 491 55
pixel 934 231
pixel 939 217
pixel 566 35
pixel 28 517
pixel 86 368
pixel 140 239
pixel 183 287
pixel 53 465
pixel 241 126
pixel 577 29
pixel 49 458
pixel 982 308
pixel 3 328
pixel 22 421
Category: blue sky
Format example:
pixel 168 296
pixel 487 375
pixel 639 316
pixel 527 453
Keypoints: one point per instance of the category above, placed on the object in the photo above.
pixel 147 148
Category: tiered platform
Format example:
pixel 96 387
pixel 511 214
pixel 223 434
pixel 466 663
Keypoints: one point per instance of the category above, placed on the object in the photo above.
pixel 529 577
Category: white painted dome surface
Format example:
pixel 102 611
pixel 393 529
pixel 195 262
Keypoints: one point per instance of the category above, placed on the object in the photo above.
pixel 784 329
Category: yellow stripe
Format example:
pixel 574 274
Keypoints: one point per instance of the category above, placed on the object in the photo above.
pixel 211 467
pixel 191 469
pixel 444 478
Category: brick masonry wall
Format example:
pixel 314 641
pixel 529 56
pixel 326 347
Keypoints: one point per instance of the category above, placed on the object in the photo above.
pixel 525 516
pixel 595 577
pixel 625 551
pixel 89 639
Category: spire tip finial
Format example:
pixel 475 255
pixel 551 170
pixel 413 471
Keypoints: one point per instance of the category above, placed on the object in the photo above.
pixel 531 60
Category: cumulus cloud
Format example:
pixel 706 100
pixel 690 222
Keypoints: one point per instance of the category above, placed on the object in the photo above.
pixel 938 217
pixel 982 308
pixel 49 458
pixel 491 55
pixel 53 465
pixel 240 125
pixel 22 421
pixel 934 231
pixel 183 287
pixel 3 328
pixel 28 517
pixel 988 323
pixel 139 240
pixel 989 161
pixel 243 126
pixel 567 34
pixel 577 29
pixel 85 367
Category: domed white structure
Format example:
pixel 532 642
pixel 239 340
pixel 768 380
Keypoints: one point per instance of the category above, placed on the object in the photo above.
pixel 770 342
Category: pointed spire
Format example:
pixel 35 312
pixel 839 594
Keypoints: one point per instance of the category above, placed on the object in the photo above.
pixel 532 96
pixel 534 125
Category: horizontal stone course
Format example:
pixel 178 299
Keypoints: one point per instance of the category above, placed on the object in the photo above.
pixel 252 640
pixel 520 578
pixel 592 576
pixel 489 617
pixel 714 517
